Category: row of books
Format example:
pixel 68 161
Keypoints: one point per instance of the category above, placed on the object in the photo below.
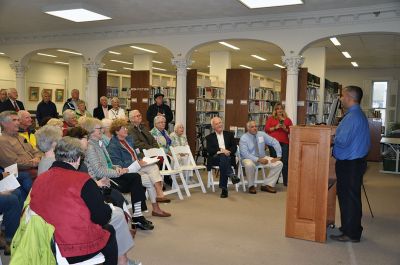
pixel 205 118
pixel 329 97
pixel 208 105
pixel 168 92
pixel 260 119
pixel 112 91
pixel 312 94
pixel 210 92
pixel 327 108
pixel 170 102
pixel 264 94
pixel 312 108
pixel 260 106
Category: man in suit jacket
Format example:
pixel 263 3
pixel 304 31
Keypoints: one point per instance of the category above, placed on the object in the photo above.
pixel 101 111
pixel 221 148
pixel 12 103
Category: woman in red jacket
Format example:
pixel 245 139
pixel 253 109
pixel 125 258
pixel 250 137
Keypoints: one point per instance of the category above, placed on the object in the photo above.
pixel 277 126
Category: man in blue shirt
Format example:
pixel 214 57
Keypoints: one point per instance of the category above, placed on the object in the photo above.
pixel 351 146
pixel 252 152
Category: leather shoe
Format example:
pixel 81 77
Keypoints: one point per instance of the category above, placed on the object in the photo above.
pixel 162 214
pixel 344 238
pixel 267 188
pixel 252 190
pixel 234 179
pixel 142 223
pixel 163 200
pixel 224 193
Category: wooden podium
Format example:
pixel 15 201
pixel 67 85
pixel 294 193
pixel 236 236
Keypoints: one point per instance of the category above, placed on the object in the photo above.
pixel 310 206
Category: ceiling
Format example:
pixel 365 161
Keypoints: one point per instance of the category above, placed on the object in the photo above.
pixel 369 50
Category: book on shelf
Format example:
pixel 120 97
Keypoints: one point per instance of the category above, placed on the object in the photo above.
pixel 260 106
pixel 210 92
pixel 205 118
pixel 259 118
pixel 264 93
pixel 312 108
pixel 112 91
pixel 208 105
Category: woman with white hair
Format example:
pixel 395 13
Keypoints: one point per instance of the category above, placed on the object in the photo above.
pixel 160 134
pixel 106 123
pixel 178 138
pixel 81 110
pixel 116 112
pixel 47 138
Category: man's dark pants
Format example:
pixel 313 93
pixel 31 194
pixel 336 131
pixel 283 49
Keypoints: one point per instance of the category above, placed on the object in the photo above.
pixel 225 168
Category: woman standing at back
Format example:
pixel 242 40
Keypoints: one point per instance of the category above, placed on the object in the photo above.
pixel 277 126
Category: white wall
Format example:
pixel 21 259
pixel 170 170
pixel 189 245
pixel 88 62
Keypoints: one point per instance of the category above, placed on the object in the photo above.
pixel 7 75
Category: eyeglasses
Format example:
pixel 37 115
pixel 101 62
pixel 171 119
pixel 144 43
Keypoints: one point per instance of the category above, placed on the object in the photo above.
pixel 98 128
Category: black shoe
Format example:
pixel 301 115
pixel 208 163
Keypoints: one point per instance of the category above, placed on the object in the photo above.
pixel 224 193
pixel 142 223
pixel 344 238
pixel 234 179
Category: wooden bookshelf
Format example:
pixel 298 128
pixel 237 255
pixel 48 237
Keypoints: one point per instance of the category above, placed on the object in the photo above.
pixel 140 86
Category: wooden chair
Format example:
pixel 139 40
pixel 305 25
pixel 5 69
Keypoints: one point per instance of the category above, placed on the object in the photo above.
pixel 192 166
pixel 168 171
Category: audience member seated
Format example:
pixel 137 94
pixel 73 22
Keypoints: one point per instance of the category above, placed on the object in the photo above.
pixel 46 108
pixel 71 103
pixel 252 152
pixel 122 153
pixel 55 122
pixel 70 120
pixel 26 129
pixel 277 126
pixel 178 138
pixel 12 104
pixel 160 134
pixel 73 204
pixel 47 138
pixel 221 149
pixel 101 111
pixel 142 138
pixel 116 112
pixel 3 95
pixel 81 110
pixel 101 168
pixel 106 123
pixel 15 148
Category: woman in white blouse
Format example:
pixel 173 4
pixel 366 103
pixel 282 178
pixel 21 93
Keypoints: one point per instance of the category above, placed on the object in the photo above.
pixel 116 112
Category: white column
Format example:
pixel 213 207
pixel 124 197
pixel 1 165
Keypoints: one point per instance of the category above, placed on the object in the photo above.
pixel 180 96
pixel 20 70
pixel 292 63
pixel 219 62
pixel 76 76
pixel 91 87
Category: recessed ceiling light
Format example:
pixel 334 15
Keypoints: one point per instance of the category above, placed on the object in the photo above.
pixel 269 3
pixel 245 66
pixel 143 49
pixel 278 65
pixel 118 61
pixel 45 54
pixel 117 53
pixel 188 68
pixel 229 45
pixel 154 61
pixel 61 62
pixel 259 57
pixel 76 12
pixel 335 41
pixel 127 68
pixel 160 69
pixel 108 70
pixel 65 51
pixel 346 54
pixel 355 64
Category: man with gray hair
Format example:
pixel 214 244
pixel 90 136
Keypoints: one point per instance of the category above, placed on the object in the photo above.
pixel 12 103
pixel 71 103
pixel 101 111
pixel 70 120
pixel 252 152
pixel 141 136
pixel 26 129
pixel 46 108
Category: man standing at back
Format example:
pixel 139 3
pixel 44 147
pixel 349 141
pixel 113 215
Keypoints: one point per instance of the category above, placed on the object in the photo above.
pixel 159 108
pixel 351 146
pixel 72 102
pixel 12 103
pixel 46 108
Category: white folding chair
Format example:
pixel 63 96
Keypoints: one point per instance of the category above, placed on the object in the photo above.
pixel 241 172
pixel 167 170
pixel 176 153
pixel 211 182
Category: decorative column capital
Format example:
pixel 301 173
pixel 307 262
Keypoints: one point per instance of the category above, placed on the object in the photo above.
pixel 19 69
pixel 93 68
pixel 181 64
pixel 293 63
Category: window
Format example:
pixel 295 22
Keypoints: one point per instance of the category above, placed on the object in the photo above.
pixel 379 92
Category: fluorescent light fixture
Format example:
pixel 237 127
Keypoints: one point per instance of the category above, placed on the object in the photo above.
pixel 355 64
pixel 65 51
pixel 188 68
pixel 127 68
pixel 278 65
pixel 335 41
pixel 160 69
pixel 118 61
pixel 346 54
pixel 259 57
pixel 154 61
pixel 2 53
pixel 143 49
pixel 269 3
pixel 61 62
pixel 229 45
pixel 45 54
pixel 245 66
pixel 117 53
pixel 108 70
pixel 76 12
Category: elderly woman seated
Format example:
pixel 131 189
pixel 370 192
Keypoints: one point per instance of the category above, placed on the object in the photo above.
pixel 81 110
pixel 47 138
pixel 101 168
pixel 106 123
pixel 122 153
pixel 70 120
pixel 116 112
pixel 160 134
pixel 178 138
